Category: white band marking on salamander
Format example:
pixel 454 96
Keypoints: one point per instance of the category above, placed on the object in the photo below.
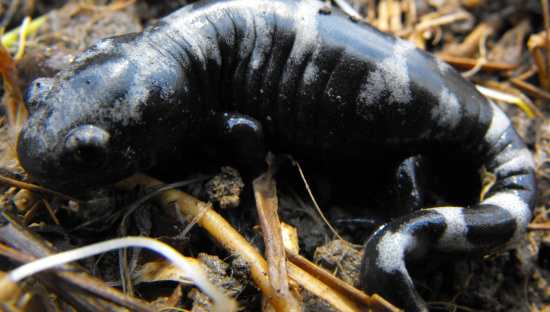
pixel 391 254
pixel 455 235
pixel 391 75
pixel 511 202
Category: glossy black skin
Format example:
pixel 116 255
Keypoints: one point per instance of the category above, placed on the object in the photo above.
pixel 304 79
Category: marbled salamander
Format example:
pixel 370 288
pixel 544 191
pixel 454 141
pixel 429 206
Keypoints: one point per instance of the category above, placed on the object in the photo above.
pixel 307 81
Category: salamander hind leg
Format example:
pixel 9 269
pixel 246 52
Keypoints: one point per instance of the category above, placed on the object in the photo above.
pixel 406 186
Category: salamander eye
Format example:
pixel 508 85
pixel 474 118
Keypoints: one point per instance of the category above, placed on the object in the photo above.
pixel 87 147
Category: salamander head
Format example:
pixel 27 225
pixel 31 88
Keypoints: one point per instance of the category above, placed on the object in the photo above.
pixel 87 125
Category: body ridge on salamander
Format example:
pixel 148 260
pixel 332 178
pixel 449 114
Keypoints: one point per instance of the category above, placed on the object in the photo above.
pixel 309 80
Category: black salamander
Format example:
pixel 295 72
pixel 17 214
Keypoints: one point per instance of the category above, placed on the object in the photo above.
pixel 308 81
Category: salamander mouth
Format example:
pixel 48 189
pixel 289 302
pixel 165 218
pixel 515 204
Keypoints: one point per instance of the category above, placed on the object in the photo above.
pixel 76 185
pixel 64 178
pixel 82 160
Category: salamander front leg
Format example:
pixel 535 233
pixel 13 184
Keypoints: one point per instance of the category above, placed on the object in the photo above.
pixel 237 139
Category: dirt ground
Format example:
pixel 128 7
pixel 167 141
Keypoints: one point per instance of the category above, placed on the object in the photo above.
pixel 501 45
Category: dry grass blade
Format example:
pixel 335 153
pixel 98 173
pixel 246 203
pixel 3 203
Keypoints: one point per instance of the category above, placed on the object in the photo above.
pixel 536 43
pixel 265 192
pixel 522 102
pixel 538 226
pixel 36 188
pixel 469 63
pixel 531 89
